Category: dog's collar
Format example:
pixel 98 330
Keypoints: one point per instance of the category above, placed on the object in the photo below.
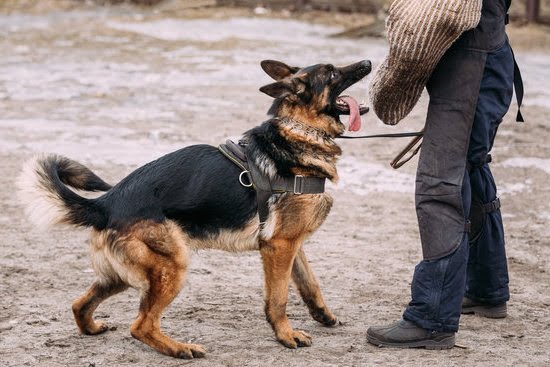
pixel 301 128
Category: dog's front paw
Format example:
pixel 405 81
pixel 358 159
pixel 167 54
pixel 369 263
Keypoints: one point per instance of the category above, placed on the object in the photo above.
pixel 324 316
pixel 294 339
pixel 190 351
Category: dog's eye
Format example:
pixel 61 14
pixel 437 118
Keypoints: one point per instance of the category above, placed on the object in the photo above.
pixel 332 75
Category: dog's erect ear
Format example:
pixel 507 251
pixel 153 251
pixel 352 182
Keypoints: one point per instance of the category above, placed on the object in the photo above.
pixel 277 70
pixel 278 89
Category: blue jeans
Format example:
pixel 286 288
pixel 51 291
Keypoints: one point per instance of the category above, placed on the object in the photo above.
pixel 477 269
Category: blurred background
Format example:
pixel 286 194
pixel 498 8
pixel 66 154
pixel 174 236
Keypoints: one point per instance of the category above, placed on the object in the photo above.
pixel 116 84
pixel 523 10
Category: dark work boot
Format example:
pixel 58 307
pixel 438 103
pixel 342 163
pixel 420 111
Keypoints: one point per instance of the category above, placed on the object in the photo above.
pixel 484 309
pixel 405 334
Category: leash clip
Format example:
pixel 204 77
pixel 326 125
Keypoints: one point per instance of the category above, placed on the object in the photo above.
pixel 249 179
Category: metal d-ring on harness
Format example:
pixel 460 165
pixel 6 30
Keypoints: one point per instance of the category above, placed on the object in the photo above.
pixel 249 184
pixel 400 159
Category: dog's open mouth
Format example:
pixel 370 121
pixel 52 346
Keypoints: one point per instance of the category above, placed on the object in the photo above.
pixel 347 105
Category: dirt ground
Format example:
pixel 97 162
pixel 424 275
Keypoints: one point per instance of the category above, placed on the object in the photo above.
pixel 115 87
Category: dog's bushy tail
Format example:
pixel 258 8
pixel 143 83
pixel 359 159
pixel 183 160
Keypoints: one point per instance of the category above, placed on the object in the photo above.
pixel 43 188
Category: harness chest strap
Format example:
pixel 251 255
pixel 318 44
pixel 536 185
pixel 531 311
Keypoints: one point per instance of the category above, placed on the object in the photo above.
pixel 263 185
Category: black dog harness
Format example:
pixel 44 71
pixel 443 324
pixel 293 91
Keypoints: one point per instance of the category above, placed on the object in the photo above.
pixel 265 186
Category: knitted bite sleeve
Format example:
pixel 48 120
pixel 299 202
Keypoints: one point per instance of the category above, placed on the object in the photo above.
pixel 419 33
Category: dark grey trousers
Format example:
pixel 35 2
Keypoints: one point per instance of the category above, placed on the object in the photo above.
pixel 470 92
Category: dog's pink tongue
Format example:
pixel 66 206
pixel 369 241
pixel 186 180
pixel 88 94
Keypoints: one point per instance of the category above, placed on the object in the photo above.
pixel 354 115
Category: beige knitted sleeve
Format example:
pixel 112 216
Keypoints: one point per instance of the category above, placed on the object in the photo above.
pixel 419 33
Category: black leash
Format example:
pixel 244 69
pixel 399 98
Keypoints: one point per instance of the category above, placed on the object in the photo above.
pixel 413 147
pixel 394 135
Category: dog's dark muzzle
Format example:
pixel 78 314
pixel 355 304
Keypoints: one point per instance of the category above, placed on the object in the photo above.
pixel 353 73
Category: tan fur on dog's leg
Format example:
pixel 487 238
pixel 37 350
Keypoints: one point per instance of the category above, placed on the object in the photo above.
pixel 278 257
pixel 309 290
pixel 163 288
pixel 146 327
pixel 160 255
pixel 85 305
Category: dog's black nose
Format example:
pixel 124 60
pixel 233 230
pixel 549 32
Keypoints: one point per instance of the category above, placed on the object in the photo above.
pixel 367 65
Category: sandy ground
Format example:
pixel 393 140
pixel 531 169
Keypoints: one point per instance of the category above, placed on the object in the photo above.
pixel 117 87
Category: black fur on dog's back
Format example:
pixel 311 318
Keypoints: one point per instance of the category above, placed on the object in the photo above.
pixel 196 186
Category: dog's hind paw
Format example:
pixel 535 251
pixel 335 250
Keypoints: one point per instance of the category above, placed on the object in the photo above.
pixel 95 328
pixel 295 339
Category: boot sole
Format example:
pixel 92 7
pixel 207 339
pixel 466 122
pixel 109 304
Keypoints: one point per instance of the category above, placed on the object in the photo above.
pixel 446 343
pixel 484 311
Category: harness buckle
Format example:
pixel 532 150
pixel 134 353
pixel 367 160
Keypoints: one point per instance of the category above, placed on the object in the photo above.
pixel 298 186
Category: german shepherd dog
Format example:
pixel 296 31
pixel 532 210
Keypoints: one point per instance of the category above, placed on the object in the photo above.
pixel 143 228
